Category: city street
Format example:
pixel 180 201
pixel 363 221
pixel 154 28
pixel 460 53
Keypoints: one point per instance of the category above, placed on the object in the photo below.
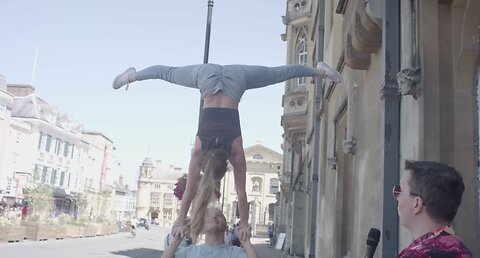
pixel 144 245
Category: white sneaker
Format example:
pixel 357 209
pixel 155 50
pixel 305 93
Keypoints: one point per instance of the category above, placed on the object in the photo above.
pixel 330 72
pixel 124 78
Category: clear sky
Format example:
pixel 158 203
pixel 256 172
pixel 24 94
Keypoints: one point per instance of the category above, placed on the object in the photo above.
pixel 83 45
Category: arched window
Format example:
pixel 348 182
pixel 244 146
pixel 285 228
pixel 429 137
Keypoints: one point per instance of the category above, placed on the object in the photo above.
pixel 257 156
pixel 256 184
pixel 302 58
pixel 274 185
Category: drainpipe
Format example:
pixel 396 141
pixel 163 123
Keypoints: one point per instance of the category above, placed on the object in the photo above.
pixel 390 161
pixel 318 92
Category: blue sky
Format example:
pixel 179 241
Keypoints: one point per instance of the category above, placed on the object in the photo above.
pixel 83 45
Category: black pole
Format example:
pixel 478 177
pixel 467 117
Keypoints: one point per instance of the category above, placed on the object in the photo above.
pixel 207 32
pixel 207 43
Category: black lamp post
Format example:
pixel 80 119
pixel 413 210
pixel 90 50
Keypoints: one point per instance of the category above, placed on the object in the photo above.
pixel 207 43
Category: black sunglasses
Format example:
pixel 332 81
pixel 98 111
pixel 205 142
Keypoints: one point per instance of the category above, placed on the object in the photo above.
pixel 397 189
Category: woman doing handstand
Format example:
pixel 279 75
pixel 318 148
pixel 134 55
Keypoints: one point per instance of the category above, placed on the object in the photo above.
pixel 219 136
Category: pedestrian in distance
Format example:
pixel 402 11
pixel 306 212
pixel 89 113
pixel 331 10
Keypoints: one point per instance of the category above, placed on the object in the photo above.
pixel 270 233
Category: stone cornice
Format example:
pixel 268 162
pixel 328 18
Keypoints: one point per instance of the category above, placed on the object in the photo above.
pixel 363 35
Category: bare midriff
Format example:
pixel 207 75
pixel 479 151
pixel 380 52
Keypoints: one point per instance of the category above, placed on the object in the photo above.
pixel 219 100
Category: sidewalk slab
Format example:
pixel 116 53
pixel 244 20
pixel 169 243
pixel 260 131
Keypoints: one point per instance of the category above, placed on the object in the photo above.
pixel 263 249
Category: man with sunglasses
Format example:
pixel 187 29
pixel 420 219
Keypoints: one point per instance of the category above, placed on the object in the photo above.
pixel 428 198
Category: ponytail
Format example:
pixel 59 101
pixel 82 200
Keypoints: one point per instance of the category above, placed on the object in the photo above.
pixel 205 195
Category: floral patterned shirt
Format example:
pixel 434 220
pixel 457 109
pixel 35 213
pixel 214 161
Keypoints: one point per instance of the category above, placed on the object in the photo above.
pixel 439 243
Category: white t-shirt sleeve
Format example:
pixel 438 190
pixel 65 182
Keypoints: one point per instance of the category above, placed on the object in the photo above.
pixel 181 253
pixel 238 252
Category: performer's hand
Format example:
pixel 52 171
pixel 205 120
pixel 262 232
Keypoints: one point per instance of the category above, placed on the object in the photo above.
pixel 244 232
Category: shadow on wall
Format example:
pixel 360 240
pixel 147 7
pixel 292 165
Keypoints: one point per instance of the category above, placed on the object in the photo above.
pixel 140 253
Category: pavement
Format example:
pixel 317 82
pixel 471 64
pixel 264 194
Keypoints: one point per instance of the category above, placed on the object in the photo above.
pixel 263 249
pixel 147 244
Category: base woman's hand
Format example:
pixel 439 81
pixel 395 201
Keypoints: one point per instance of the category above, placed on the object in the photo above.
pixel 244 232
pixel 181 227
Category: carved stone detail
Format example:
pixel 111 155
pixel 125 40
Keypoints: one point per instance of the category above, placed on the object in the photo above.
pixel 363 36
pixel 349 146
pixel 355 59
pixel 407 80
pixel 297 9
pixel 332 163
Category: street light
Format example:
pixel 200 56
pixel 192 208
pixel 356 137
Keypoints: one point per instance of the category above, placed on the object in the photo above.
pixel 207 43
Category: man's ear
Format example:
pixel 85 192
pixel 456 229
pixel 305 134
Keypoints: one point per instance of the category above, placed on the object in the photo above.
pixel 418 205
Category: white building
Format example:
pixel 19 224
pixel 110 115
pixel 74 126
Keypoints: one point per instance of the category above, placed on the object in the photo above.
pixel 15 138
pixel 6 103
pixel 124 201
pixel 45 146
pixel 39 144
pixel 262 185
pixel 155 197
pixel 97 170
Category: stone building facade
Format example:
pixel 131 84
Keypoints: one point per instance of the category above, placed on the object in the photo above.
pixel 262 186
pixel 155 197
pixel 409 91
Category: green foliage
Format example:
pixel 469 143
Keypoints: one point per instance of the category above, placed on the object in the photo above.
pixel 40 199
pixel 82 221
pixel 33 218
pixel 4 221
pixel 65 219
pixel 82 203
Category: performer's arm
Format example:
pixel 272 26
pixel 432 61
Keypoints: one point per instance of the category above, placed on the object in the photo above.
pixel 172 248
pixel 249 248
pixel 190 189
pixel 237 159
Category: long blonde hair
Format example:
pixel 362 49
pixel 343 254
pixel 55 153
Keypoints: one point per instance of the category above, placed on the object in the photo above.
pixel 205 195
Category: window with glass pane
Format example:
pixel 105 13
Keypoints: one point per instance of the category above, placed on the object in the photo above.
pixel 48 143
pixel 53 176
pixel 36 173
pixel 274 185
pixel 57 146
pixel 66 149
pixel 62 178
pixel 302 59
pixel 168 200
pixel 44 175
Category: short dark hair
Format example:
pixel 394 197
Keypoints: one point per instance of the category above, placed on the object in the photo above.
pixel 440 187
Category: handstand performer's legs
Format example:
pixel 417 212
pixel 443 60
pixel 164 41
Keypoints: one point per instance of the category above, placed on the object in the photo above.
pixel 261 76
pixel 184 75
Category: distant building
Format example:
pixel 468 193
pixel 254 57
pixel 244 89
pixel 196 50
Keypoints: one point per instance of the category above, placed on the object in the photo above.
pixel 43 146
pixel 124 201
pixel 155 197
pixel 262 186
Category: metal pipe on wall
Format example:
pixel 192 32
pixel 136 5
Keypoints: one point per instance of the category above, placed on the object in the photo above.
pixel 390 162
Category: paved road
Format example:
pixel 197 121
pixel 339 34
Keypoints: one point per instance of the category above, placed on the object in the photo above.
pixel 144 245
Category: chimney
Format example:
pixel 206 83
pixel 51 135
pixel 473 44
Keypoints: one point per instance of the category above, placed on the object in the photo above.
pixel 158 163
pixel 3 84
pixel 120 180
pixel 20 90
